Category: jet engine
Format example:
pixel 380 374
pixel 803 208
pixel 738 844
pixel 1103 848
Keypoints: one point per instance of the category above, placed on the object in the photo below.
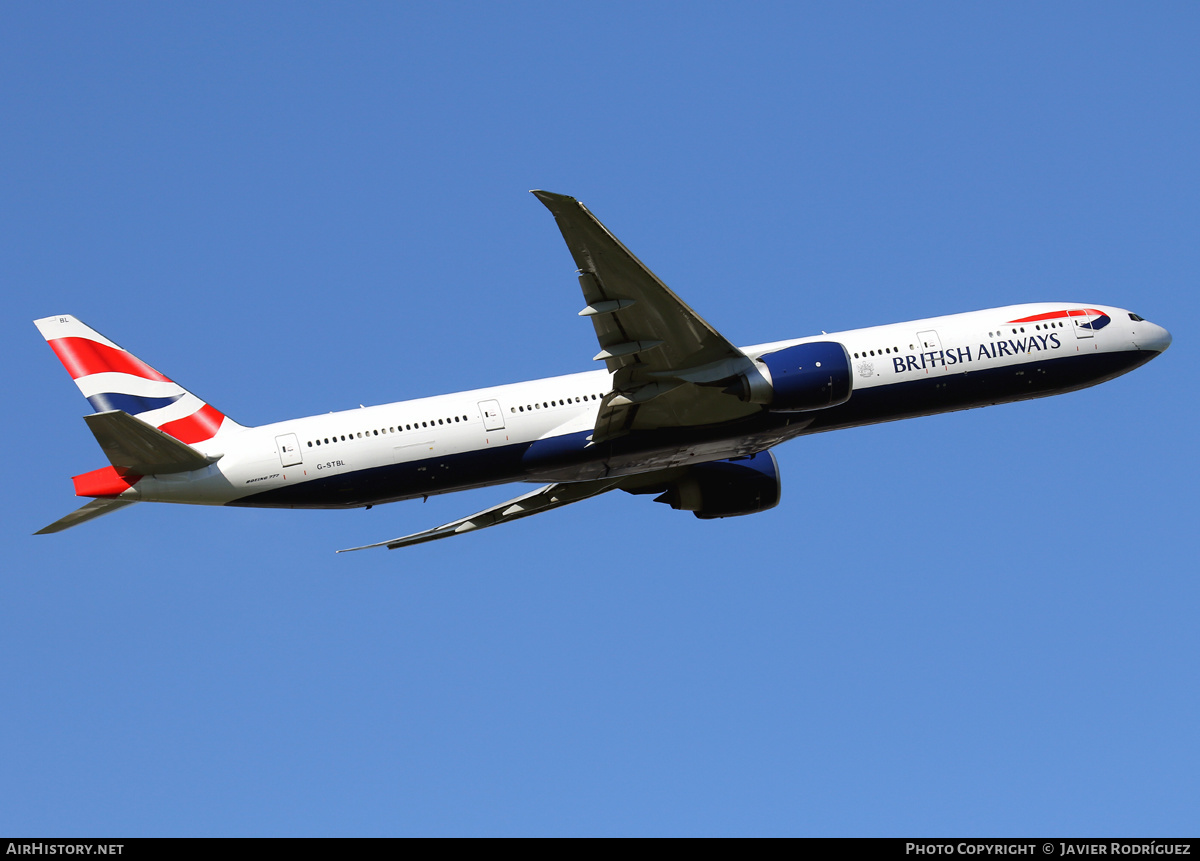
pixel 810 376
pixel 723 488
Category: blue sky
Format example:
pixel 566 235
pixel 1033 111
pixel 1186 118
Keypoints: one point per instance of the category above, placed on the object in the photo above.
pixel 978 623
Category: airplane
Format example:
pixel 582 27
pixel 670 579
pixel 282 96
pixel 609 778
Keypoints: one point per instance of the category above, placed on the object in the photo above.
pixel 678 411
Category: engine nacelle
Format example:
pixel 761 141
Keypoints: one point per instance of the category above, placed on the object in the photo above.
pixel 810 376
pixel 726 488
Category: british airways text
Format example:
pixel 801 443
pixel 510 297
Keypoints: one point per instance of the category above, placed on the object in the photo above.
pixel 962 355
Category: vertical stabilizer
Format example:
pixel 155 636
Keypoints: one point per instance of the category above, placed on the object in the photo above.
pixel 114 379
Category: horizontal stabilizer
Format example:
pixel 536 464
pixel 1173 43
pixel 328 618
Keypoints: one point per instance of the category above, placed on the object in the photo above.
pixel 92 510
pixel 131 444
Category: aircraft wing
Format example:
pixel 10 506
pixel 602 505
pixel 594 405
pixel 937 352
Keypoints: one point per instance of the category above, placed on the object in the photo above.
pixel 669 366
pixel 535 502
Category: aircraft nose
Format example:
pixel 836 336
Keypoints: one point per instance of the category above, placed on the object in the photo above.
pixel 1153 337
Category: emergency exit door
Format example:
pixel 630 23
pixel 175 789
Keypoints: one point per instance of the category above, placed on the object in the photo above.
pixel 493 418
pixel 289 449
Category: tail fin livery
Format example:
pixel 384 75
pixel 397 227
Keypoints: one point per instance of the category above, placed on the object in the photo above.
pixel 114 379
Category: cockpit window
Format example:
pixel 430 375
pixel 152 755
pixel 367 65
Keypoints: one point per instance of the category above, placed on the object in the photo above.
pixel 1135 318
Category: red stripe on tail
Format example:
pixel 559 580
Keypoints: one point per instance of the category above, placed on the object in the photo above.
pixel 199 426
pixel 82 357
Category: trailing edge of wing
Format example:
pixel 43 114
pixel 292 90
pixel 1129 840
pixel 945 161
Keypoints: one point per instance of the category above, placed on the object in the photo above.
pixel 92 510
pixel 535 502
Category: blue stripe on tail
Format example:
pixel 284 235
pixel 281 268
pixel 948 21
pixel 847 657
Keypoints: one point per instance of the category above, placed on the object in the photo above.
pixel 132 404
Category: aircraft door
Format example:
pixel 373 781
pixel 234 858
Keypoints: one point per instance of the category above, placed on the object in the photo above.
pixel 929 342
pixel 289 449
pixel 493 418
pixel 1080 319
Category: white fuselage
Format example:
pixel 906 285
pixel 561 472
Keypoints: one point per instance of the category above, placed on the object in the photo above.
pixel 490 436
